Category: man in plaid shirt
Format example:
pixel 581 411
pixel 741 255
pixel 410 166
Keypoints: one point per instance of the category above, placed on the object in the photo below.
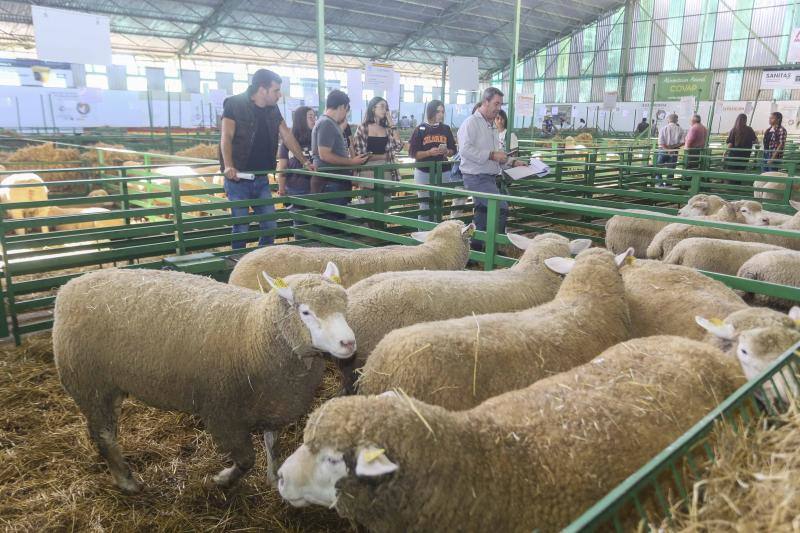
pixel 774 143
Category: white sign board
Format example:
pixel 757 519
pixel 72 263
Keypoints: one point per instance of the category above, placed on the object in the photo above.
pixel 524 105
pixel 687 106
pixel 355 90
pixel 71 36
pixel 780 79
pixel 793 53
pixel 610 100
pixel 463 73
pixel 378 78
pixel 393 93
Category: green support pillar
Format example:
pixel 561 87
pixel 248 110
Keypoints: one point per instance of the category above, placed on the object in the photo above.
pixel 512 85
pixel 444 79
pixel 626 50
pixel 321 54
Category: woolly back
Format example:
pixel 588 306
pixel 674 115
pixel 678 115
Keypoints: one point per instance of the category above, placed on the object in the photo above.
pixel 447 234
pixel 594 273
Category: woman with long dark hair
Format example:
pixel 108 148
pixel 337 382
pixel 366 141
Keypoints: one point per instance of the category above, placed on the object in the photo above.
pixel 378 137
pixel 740 143
pixel 289 183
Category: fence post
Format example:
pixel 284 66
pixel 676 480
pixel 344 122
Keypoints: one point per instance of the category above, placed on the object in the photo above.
pixel 437 203
pixel 177 215
pixel 9 293
pixel 491 234
pixel 378 194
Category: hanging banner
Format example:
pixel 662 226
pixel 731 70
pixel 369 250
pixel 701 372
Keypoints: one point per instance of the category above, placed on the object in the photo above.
pixel 463 72
pixel 793 53
pixel 355 90
pixel 610 100
pixel 524 105
pixel 671 87
pixel 780 79
pixel 378 77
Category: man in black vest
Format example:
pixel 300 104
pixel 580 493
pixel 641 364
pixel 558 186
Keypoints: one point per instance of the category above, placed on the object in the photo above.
pixel 251 125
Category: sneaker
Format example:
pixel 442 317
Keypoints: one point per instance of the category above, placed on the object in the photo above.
pixel 661 185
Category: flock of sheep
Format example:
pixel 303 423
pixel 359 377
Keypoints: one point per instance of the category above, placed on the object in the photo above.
pixel 510 400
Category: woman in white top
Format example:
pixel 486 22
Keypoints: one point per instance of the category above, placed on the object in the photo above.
pixel 501 123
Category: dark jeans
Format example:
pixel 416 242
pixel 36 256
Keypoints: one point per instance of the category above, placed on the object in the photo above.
pixel 256 189
pixel 668 160
pixel 486 183
pixel 767 167
pixel 296 191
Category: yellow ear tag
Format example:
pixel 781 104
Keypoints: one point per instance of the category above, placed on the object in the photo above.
pixel 371 455
pixel 336 279
pixel 470 232
pixel 630 260
pixel 797 322
pixel 280 284
pixel 717 321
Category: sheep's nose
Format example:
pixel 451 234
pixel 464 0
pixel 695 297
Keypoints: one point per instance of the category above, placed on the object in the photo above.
pixel 765 221
pixel 280 480
pixel 348 345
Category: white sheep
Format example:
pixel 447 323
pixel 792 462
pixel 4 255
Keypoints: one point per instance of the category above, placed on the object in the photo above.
pixel 393 300
pixel 461 362
pixel 628 232
pixel 774 189
pixel 663 299
pixel 36 193
pixel 715 255
pixel 238 359
pixel 671 235
pixel 446 247
pixel 780 266
pixel 56 211
pixel 757 337
pixel 528 460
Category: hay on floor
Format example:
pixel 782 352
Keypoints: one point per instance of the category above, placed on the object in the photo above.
pixel 52 478
pixel 201 151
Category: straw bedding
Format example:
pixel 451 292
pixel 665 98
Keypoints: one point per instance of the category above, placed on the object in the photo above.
pixel 51 478
pixel 201 151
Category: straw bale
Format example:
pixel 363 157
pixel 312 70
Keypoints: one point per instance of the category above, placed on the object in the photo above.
pixel 201 151
pixel 91 157
pixel 51 477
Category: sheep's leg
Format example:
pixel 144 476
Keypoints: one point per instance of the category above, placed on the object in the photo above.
pixel 271 447
pixel 236 443
pixel 102 420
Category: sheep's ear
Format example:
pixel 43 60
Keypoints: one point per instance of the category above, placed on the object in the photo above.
pixel 332 273
pixel 388 394
pixel 625 258
pixel 420 236
pixel 469 229
pixel 795 204
pixel 578 245
pixel 717 328
pixel 700 205
pixel 520 241
pixel 560 265
pixel 794 314
pixel 280 286
pixel 372 462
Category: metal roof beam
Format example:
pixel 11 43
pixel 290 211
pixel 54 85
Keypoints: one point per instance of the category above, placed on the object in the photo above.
pixel 209 24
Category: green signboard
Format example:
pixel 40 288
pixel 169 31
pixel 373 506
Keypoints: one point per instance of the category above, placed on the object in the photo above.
pixel 674 86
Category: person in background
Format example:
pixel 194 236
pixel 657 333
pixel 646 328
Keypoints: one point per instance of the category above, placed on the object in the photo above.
pixel 482 160
pixel 303 120
pixel 548 128
pixel 378 140
pixel 581 125
pixel 251 127
pixel 404 123
pixel 413 122
pixel 329 149
pixel 643 126
pixel 669 141
pixel 501 123
pixel 432 141
pixel 695 142
pixel 774 143
pixel 740 143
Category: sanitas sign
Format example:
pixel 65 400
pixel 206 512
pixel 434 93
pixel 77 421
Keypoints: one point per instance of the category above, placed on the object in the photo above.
pixel 780 79
pixel 674 86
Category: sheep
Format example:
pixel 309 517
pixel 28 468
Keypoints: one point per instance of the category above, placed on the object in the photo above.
pixel 393 300
pixel 671 235
pixel 627 232
pixel 757 337
pixel 36 193
pixel 774 189
pixel 752 210
pixel 780 266
pixel 446 247
pixel 238 359
pixel 528 460
pixel 715 255
pixel 459 363
pixel 56 211
pixel 663 299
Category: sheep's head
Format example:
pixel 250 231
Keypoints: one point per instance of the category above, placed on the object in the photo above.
pixel 756 335
pixel 751 212
pixel 702 205
pixel 447 232
pixel 525 243
pixel 313 313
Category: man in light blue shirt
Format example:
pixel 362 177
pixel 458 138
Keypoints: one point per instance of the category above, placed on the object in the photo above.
pixel 482 160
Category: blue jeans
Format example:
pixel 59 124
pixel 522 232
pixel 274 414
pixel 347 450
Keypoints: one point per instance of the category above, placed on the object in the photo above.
pixel 257 189
pixel 486 183
pixel 666 159
pixel 766 167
